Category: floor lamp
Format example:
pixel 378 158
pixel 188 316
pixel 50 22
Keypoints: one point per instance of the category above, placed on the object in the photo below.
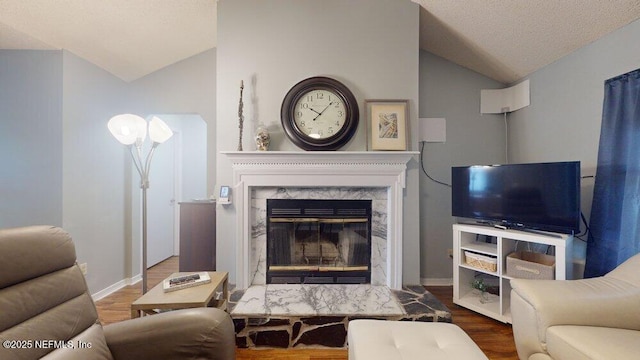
pixel 131 130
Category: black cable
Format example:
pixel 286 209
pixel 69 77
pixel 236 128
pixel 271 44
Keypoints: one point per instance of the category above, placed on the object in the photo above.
pixel 584 220
pixel 587 230
pixel 425 171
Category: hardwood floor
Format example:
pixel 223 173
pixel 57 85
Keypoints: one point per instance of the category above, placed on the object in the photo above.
pixel 117 306
pixel 493 337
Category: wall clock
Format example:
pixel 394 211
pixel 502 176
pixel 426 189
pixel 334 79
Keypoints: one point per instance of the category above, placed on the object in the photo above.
pixel 319 113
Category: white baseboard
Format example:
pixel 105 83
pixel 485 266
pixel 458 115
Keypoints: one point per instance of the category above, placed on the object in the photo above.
pixel 115 287
pixel 436 282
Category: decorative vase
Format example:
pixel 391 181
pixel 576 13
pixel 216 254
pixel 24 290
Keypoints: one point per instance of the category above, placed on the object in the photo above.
pixel 484 297
pixel 480 287
pixel 263 139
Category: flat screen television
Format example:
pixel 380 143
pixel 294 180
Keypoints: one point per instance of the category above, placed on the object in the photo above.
pixel 537 196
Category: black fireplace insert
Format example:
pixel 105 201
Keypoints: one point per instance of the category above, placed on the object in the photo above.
pixel 318 241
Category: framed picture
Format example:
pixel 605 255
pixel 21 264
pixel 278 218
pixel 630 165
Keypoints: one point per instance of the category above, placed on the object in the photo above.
pixel 386 122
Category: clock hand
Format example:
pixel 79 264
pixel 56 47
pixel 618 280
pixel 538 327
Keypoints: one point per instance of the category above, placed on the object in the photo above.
pixel 320 113
pixel 331 103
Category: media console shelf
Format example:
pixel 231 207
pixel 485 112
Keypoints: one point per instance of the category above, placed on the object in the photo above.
pixel 496 244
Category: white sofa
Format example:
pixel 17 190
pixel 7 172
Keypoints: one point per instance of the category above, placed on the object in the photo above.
pixel 597 318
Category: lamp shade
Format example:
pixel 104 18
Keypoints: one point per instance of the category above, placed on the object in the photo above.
pixel 127 128
pixel 159 131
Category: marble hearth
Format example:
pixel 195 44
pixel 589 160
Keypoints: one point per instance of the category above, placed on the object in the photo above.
pixel 303 316
pixel 318 300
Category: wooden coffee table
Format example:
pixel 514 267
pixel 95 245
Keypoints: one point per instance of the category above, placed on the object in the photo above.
pixel 156 300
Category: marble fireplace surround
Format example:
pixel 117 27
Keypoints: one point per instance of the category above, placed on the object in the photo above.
pixel 318 169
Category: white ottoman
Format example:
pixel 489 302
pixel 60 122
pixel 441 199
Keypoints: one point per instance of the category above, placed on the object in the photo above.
pixel 380 339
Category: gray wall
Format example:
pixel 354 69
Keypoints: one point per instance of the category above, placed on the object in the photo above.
pixel 59 168
pixel 30 138
pixel 369 45
pixel 93 190
pixel 564 118
pixel 452 92
pixel 186 87
pixel 192 132
pixel 62 167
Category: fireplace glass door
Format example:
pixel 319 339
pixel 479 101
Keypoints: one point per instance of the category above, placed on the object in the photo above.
pixel 319 249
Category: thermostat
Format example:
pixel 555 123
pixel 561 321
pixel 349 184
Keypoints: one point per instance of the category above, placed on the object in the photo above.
pixel 225 195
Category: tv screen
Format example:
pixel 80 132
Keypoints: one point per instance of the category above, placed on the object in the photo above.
pixel 540 196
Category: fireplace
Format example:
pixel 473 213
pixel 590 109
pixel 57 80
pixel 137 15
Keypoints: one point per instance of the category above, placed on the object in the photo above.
pixel 318 241
pixel 379 176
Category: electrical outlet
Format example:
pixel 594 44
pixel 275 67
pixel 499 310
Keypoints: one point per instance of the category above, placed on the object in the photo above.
pixel 83 268
pixel 450 253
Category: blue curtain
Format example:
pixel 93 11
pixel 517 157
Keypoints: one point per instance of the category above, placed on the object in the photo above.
pixel 615 211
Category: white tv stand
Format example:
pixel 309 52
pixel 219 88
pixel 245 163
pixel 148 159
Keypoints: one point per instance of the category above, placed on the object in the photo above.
pixel 504 242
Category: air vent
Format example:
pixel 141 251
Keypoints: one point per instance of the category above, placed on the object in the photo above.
pixel 318 280
pixel 351 280
pixel 352 212
pixel 318 208
pixel 285 280
pixel 283 212
pixel 319 212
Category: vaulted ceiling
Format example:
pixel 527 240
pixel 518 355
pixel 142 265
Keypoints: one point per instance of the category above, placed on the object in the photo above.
pixel 505 40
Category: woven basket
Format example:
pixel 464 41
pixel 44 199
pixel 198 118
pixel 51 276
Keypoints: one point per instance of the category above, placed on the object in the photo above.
pixel 482 262
pixel 531 265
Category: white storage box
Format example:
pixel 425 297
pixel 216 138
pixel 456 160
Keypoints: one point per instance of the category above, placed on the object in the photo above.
pixel 531 265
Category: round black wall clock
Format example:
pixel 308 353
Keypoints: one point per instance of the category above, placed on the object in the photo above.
pixel 319 113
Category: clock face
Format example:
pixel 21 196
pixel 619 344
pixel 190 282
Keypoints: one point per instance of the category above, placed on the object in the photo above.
pixel 320 113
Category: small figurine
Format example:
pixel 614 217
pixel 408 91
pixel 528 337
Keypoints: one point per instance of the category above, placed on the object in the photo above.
pixel 262 138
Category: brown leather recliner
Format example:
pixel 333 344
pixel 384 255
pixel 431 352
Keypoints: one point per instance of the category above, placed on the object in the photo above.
pixel 47 312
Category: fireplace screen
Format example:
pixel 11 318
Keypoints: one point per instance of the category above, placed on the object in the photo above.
pixel 331 246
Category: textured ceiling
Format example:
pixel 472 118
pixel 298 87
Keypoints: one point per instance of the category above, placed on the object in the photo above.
pixel 503 39
pixel 507 40
pixel 128 38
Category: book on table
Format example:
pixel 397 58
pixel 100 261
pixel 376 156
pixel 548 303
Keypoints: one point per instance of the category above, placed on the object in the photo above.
pixel 185 280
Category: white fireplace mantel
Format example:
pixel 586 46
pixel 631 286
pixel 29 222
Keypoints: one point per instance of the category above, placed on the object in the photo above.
pixel 319 169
